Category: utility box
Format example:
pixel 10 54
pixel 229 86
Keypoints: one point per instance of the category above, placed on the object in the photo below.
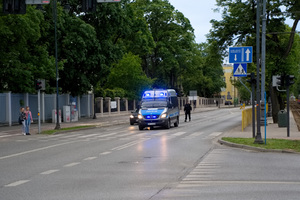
pixel 282 118
pixel 67 113
pixel 54 116
pixel 74 112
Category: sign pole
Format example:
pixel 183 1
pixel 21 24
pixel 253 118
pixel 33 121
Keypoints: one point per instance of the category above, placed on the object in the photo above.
pixel 39 108
pixel 258 139
pixel 288 109
pixel 253 105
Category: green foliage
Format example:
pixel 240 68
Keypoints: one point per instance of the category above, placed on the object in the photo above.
pixel 174 39
pixel 120 50
pixel 279 144
pixel 23 58
pixel 204 72
pixel 128 75
pixel 80 50
pixel 282 53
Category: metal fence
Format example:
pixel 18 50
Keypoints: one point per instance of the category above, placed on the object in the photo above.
pixel 10 104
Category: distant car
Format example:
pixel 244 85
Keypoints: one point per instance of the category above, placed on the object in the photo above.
pixel 228 103
pixel 134 117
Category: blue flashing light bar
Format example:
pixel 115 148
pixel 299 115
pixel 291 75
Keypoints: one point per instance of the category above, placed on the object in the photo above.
pixel 155 94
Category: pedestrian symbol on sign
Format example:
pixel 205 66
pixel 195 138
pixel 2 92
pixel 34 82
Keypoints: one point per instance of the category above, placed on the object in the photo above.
pixel 240 69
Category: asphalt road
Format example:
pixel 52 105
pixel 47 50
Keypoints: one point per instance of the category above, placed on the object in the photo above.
pixel 121 162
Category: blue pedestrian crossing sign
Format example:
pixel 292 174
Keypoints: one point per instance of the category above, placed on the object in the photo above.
pixel 240 54
pixel 240 69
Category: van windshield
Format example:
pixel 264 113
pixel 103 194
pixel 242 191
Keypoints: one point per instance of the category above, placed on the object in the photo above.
pixel 154 104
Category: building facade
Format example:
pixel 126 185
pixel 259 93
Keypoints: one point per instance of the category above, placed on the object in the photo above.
pixel 230 93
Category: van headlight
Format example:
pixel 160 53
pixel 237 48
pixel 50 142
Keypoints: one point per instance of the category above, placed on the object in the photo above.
pixel 140 116
pixel 131 116
pixel 164 115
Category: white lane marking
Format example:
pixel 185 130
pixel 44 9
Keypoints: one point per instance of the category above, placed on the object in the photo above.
pixel 175 135
pixel 134 142
pixel 2 136
pixel 193 135
pixel 72 164
pixel 70 136
pixel 193 183
pixel 20 182
pixel 129 144
pixel 105 135
pixel 86 136
pixel 105 153
pixel 90 158
pixel 125 138
pixel 179 133
pixel 35 150
pixel 213 135
pixel 49 172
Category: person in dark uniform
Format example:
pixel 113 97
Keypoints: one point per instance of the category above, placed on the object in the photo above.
pixel 187 110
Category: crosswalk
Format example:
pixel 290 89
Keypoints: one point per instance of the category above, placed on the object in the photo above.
pixel 121 135
pixel 205 171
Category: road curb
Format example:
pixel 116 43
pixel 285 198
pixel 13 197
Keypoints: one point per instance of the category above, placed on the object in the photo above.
pixel 242 146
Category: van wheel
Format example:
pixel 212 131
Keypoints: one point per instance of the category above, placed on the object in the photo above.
pixel 177 122
pixel 141 127
pixel 168 125
pixel 131 123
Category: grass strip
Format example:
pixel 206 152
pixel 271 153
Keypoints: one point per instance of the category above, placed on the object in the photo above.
pixel 280 144
pixel 50 132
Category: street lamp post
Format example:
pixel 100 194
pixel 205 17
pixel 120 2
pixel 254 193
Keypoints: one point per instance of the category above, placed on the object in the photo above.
pixel 55 38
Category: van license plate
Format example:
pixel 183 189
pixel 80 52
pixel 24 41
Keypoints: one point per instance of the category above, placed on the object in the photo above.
pixel 151 124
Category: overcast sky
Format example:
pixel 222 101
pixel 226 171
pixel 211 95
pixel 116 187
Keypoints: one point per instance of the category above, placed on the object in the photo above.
pixel 200 12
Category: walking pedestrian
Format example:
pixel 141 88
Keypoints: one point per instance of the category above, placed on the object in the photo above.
pixel 22 117
pixel 187 110
pixel 28 120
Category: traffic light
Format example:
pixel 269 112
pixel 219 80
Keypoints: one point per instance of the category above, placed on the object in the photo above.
pixel 38 84
pixel 89 5
pixel 14 6
pixel 290 80
pixel 280 81
pixel 252 79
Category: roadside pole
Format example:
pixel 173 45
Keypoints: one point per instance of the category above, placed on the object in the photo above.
pixel 252 82
pixel 288 105
pixel 258 139
pixel 39 108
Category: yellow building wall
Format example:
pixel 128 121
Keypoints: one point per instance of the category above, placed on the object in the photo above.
pixel 230 92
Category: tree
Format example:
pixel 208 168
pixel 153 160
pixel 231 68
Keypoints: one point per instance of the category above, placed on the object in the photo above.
pixel 80 51
pixel 233 29
pixel 174 38
pixel 204 73
pixel 128 75
pixel 23 57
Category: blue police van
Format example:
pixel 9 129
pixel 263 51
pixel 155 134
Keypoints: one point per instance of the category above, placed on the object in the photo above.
pixel 159 108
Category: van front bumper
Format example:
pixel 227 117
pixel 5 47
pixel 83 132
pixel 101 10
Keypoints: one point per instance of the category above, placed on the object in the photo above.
pixel 160 122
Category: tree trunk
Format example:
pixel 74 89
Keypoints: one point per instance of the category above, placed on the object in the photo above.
pixel 291 40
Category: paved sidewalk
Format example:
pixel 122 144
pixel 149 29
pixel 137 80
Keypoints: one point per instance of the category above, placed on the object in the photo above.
pixel 273 131
pixel 105 120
